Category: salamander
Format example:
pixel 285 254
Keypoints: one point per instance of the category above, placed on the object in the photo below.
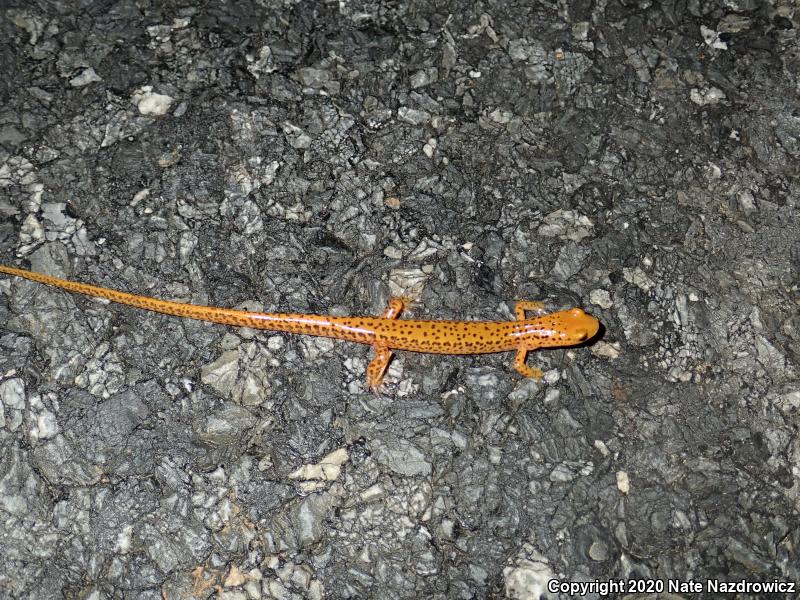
pixel 385 333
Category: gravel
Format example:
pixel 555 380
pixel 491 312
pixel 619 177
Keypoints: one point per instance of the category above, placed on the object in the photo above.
pixel 636 159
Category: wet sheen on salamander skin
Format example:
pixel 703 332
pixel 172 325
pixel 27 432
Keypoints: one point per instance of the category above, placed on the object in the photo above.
pixel 384 333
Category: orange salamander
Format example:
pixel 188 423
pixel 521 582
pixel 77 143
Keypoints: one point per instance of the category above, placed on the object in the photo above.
pixel 385 333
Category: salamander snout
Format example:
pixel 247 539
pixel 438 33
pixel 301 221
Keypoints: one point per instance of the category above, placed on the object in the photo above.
pixel 579 326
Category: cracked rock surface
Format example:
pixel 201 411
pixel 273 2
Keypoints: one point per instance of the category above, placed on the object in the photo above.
pixel 637 159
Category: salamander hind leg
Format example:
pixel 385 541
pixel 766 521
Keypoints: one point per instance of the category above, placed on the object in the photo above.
pixel 396 306
pixel 524 305
pixel 524 369
pixel 377 368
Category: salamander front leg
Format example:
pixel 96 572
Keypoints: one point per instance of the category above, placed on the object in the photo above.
pixel 377 368
pixel 523 305
pixel 524 369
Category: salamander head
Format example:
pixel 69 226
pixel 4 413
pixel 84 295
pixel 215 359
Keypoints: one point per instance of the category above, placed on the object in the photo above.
pixel 564 328
pixel 574 326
